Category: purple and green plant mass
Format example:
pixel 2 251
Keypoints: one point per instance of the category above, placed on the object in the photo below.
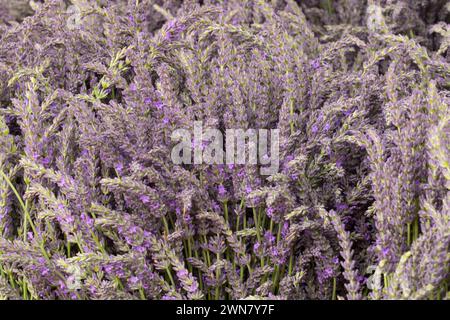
pixel 92 206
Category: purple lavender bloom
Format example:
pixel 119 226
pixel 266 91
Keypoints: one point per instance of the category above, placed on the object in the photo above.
pixel 270 211
pixel 269 237
pixel 145 199
pixel 222 190
pixel 93 204
pixel 315 64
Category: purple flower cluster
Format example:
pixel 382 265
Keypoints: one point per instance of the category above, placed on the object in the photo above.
pixel 92 206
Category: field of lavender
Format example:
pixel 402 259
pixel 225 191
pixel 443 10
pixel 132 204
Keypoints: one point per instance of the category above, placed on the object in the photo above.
pixel 93 207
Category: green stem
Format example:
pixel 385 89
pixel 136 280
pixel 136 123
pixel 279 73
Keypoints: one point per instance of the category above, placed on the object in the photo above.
pixel 208 257
pixel 142 294
pixel 218 277
pixel 189 252
pixel 280 228
pixel 333 296
pixel 386 281
pixel 409 234
pixel 169 274
pixel 416 228
pixel 97 242
pixel 258 234
pixel 166 226
pixel 329 6
pixel 276 274
pixel 11 280
pixel 291 110
pixel 199 272
pixel 291 263
pixel 22 204
pixel 225 210
pixel 263 222
pixel 25 210
pixel 25 290
pixel 255 217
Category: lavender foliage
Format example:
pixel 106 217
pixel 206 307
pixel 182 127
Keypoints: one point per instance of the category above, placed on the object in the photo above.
pixel 92 207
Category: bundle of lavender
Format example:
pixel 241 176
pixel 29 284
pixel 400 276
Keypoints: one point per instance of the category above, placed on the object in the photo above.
pixel 114 182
